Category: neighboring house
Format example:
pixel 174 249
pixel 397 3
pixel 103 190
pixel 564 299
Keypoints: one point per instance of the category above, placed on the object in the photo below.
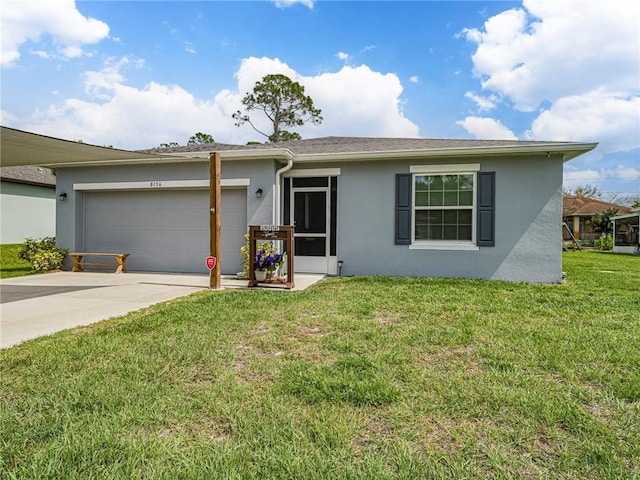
pixel 382 206
pixel 27 203
pixel 578 211
pixel 625 232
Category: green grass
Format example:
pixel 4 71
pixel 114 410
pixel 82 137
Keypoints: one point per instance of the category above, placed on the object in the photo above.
pixel 10 264
pixel 354 378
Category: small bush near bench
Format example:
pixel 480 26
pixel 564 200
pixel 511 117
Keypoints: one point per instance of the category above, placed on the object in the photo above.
pixel 43 254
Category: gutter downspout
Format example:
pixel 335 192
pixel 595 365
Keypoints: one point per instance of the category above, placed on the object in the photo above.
pixel 279 173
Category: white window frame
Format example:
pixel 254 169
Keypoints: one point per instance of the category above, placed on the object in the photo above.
pixel 454 169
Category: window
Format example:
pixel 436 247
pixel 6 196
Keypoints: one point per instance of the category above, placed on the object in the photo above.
pixel 443 207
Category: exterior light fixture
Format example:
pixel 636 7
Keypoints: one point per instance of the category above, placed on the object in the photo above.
pixel 259 193
pixel 340 265
pixel 62 196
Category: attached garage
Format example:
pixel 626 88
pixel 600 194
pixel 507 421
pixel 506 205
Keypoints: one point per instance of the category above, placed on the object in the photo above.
pixel 164 230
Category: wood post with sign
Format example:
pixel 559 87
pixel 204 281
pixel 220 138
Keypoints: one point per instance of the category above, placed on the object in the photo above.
pixel 215 214
pixel 271 232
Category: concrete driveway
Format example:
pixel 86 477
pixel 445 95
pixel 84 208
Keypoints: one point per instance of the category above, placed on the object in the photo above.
pixel 38 305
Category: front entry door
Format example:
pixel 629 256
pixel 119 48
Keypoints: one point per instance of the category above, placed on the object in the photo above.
pixel 310 219
pixel 310 210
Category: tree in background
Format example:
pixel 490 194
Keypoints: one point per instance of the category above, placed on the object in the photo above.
pixel 169 145
pixel 602 221
pixel 588 191
pixel 283 102
pixel 594 192
pixel 631 201
pixel 201 139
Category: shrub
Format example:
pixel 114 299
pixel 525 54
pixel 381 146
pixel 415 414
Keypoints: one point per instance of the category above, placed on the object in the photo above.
pixel 32 246
pixel 605 242
pixel 43 254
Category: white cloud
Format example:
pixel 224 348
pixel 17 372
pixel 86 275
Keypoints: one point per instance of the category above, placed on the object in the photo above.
pixel 576 63
pixel 289 3
pixel 7 118
pixel 24 21
pixel 483 103
pixel 357 101
pixel 354 101
pixel 486 128
pixel 253 69
pixel 72 51
pixel 41 54
pixel 581 176
pixel 414 79
pixel 550 49
pixel 343 56
pixel 600 116
pixel 575 177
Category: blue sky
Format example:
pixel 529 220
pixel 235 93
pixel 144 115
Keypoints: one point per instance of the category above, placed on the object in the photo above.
pixel 135 74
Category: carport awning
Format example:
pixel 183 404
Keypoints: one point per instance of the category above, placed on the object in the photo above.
pixel 24 148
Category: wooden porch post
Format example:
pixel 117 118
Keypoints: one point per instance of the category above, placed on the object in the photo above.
pixel 215 215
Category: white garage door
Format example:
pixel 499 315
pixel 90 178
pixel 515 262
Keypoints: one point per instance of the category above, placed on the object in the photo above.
pixel 164 230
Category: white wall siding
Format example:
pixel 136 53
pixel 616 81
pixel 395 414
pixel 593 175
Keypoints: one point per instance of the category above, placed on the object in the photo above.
pixel 26 211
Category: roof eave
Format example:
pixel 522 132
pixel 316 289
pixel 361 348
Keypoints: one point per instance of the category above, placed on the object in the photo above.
pixel 633 214
pixel 20 148
pixel 280 154
pixel 28 182
pixel 283 154
pixel 568 151
pixel 98 163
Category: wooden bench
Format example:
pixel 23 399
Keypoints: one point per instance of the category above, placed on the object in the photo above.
pixel 121 258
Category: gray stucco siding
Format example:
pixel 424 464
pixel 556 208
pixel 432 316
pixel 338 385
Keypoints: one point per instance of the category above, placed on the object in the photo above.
pixel 528 212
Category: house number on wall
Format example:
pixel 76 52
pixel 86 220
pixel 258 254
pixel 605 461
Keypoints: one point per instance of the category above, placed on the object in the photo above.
pixel 155 183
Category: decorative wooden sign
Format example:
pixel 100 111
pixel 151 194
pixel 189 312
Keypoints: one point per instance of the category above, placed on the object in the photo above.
pixel 271 232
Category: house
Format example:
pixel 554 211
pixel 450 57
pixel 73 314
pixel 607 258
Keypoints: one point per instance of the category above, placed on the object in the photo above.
pixel 578 211
pixel 626 230
pixel 380 206
pixel 27 203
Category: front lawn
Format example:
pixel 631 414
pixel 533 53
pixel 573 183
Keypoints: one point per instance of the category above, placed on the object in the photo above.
pixel 10 264
pixel 354 378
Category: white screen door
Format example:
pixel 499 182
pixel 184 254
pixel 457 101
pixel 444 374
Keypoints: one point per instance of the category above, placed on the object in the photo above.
pixel 310 207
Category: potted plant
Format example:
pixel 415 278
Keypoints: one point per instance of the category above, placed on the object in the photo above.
pixel 244 252
pixel 266 263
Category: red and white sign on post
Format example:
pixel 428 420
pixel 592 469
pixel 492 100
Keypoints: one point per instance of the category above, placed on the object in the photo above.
pixel 211 263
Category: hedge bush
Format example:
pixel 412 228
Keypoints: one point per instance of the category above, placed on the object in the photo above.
pixel 43 254
pixel 605 242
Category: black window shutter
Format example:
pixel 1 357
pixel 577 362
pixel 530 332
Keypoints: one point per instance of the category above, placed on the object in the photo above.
pixel 485 236
pixel 403 209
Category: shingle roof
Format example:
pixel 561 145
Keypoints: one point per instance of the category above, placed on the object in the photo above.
pixel 587 207
pixel 29 174
pixel 354 144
